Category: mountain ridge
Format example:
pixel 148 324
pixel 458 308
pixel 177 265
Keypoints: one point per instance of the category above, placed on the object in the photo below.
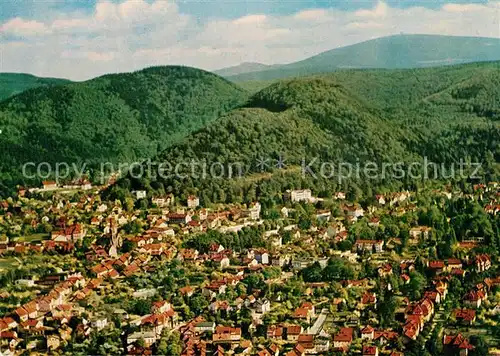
pixel 339 118
pixel 16 83
pixel 113 118
pixel 245 67
pixel 390 52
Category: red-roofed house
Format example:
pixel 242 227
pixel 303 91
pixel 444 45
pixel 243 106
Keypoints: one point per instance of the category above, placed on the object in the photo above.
pixel 465 316
pixel 370 350
pixel 458 343
pixel 343 339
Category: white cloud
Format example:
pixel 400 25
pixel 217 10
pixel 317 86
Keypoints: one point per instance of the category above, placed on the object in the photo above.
pixel 20 27
pixel 364 25
pixel 311 15
pixel 463 7
pixel 100 56
pixel 381 10
pixel 137 33
pixel 250 20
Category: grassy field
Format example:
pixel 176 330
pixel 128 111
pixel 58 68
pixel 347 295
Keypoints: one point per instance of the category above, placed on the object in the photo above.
pixel 8 263
pixel 33 237
pixel 253 86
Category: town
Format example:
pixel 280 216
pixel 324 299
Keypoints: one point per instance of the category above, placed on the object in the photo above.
pixel 399 273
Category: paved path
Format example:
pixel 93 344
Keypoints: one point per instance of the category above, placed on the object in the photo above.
pixel 318 324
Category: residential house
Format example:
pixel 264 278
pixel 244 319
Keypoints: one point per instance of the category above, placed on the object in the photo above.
pixel 187 291
pixel 437 266
pixel 69 234
pixel 385 270
pixel 262 306
pixel 343 339
pixel 213 289
pixel 420 232
pixel 368 299
pixel 139 194
pixel 193 202
pixel 204 327
pixel 368 333
pixel 99 322
pixel 49 185
pixel 253 211
pixel 474 298
pixel 275 332
pixel 293 332
pixel 482 263
pixel 339 196
pixel 354 211
pixel 465 316
pixel 179 218
pixel 369 245
pixel 369 350
pixel 226 334
pixel 457 344
pixel 454 263
pixel 161 307
pixel 307 343
pixel 262 256
pixel 149 337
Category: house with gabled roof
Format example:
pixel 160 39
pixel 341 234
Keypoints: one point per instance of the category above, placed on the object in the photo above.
pixel 226 334
pixel 474 298
pixel 293 332
pixel 457 343
pixel 343 338
pixel 482 263
pixel 465 316
pixel 369 350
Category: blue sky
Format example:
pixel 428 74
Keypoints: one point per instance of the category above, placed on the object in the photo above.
pixel 80 39
pixel 204 9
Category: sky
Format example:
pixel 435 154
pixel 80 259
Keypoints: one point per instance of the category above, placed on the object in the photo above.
pixel 82 39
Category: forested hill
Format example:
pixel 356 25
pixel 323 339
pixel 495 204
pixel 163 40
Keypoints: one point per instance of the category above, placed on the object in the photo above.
pixel 392 52
pixel 117 118
pixel 15 83
pixel 247 67
pixel 433 113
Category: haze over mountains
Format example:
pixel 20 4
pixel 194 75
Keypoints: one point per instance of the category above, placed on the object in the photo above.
pixel 393 52
pixel 247 67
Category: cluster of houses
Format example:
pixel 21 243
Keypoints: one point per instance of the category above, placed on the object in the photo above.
pixel 45 321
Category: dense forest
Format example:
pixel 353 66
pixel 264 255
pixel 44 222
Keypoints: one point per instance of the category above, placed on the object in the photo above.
pixel 15 83
pixel 114 118
pixel 443 115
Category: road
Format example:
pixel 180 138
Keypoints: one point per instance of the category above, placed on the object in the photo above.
pixel 318 324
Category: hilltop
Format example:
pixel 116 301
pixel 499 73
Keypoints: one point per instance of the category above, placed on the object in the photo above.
pixel 339 118
pixel 247 67
pixel 15 83
pixel 392 52
pixel 114 118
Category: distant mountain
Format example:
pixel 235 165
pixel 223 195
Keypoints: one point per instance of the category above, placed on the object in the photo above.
pixel 393 52
pixel 247 67
pixel 15 83
pixel 113 118
pixel 394 117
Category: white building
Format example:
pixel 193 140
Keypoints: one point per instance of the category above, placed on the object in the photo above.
pixel 193 202
pixel 253 212
pixel 298 195
pixel 139 194
pixel 149 337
